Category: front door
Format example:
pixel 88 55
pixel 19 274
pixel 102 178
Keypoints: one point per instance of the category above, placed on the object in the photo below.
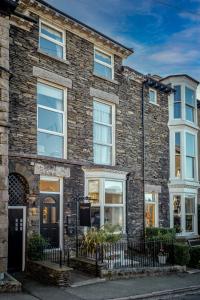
pixel 15 239
pixel 49 218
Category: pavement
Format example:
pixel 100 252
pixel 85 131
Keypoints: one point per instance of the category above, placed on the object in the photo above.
pixel 174 286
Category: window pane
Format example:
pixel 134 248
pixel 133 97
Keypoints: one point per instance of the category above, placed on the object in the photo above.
pixel 50 145
pixel 93 190
pixel 102 113
pixel 150 215
pixel 190 144
pixel 49 96
pixel 189 96
pixel 50 120
pixel 102 134
pixel 113 216
pixel 150 197
pixel 189 223
pixel 177 154
pixel 52 33
pixel 102 70
pixel 189 167
pixel 51 48
pixel 103 57
pixel 102 154
pixel 190 205
pixel 113 192
pixel 189 113
pixel 177 213
pixel 177 110
pixel 49 186
pixel 177 94
pixel 95 216
pixel 152 96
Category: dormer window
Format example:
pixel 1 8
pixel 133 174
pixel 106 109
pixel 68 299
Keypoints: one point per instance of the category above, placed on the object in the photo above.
pixel 51 40
pixel 177 102
pixel 103 64
pixel 152 96
pixel 189 104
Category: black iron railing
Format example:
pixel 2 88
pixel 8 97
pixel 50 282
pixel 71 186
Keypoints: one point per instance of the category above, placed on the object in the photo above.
pixel 130 254
pixel 51 254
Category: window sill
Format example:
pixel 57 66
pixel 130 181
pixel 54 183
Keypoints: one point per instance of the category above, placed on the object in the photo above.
pixel 110 80
pixel 53 57
pixel 156 104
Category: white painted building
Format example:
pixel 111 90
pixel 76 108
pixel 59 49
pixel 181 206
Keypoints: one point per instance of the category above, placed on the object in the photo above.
pixel 184 180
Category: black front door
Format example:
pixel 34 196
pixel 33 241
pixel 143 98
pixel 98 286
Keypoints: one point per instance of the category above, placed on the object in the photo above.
pixel 15 239
pixel 49 218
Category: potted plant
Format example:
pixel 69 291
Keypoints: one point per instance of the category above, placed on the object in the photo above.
pixel 162 256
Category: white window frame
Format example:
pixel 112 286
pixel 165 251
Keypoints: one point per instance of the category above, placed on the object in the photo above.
pixel 112 126
pixel 103 176
pixel 105 64
pixel 156 207
pixel 62 44
pixel 179 155
pixel 156 97
pixel 183 178
pixel 180 101
pixel 64 114
pixel 194 157
pixel 185 193
pixel 194 107
pixel 60 193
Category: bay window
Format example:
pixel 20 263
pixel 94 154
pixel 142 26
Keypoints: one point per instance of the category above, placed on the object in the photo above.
pixel 103 64
pixel 177 102
pixel 107 199
pixel 184 210
pixel 51 40
pixel 190 155
pixel 103 133
pixel 189 104
pixel 51 120
pixel 151 209
pixel 177 154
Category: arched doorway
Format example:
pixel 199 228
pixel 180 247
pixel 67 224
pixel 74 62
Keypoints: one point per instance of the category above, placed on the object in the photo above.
pixel 18 190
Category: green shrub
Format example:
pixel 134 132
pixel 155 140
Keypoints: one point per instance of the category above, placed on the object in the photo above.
pixel 181 254
pixel 106 234
pixel 194 257
pixel 160 233
pixel 36 244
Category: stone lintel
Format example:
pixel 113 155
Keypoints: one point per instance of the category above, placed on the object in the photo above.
pixel 53 77
pixel 149 188
pixel 47 170
pixel 113 98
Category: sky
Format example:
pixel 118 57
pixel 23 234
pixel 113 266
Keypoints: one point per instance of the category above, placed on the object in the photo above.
pixel 165 34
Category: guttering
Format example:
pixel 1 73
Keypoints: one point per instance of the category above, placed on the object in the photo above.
pixel 127 49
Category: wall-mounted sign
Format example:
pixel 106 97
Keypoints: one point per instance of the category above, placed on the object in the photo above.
pixel 85 214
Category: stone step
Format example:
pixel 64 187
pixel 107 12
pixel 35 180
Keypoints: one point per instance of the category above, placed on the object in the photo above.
pixel 87 282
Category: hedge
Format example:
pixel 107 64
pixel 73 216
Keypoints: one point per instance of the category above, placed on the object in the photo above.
pixel 181 254
pixel 154 233
pixel 195 257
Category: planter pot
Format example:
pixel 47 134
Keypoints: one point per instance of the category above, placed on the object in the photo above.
pixel 162 259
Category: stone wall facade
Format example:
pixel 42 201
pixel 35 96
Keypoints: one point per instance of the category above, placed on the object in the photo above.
pixel 4 111
pixel 28 64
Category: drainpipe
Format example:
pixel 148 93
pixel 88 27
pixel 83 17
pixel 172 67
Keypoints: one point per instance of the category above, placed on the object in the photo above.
pixel 143 161
pixel 127 182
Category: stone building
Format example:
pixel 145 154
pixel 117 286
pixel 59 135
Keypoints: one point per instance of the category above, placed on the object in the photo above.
pixel 80 124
